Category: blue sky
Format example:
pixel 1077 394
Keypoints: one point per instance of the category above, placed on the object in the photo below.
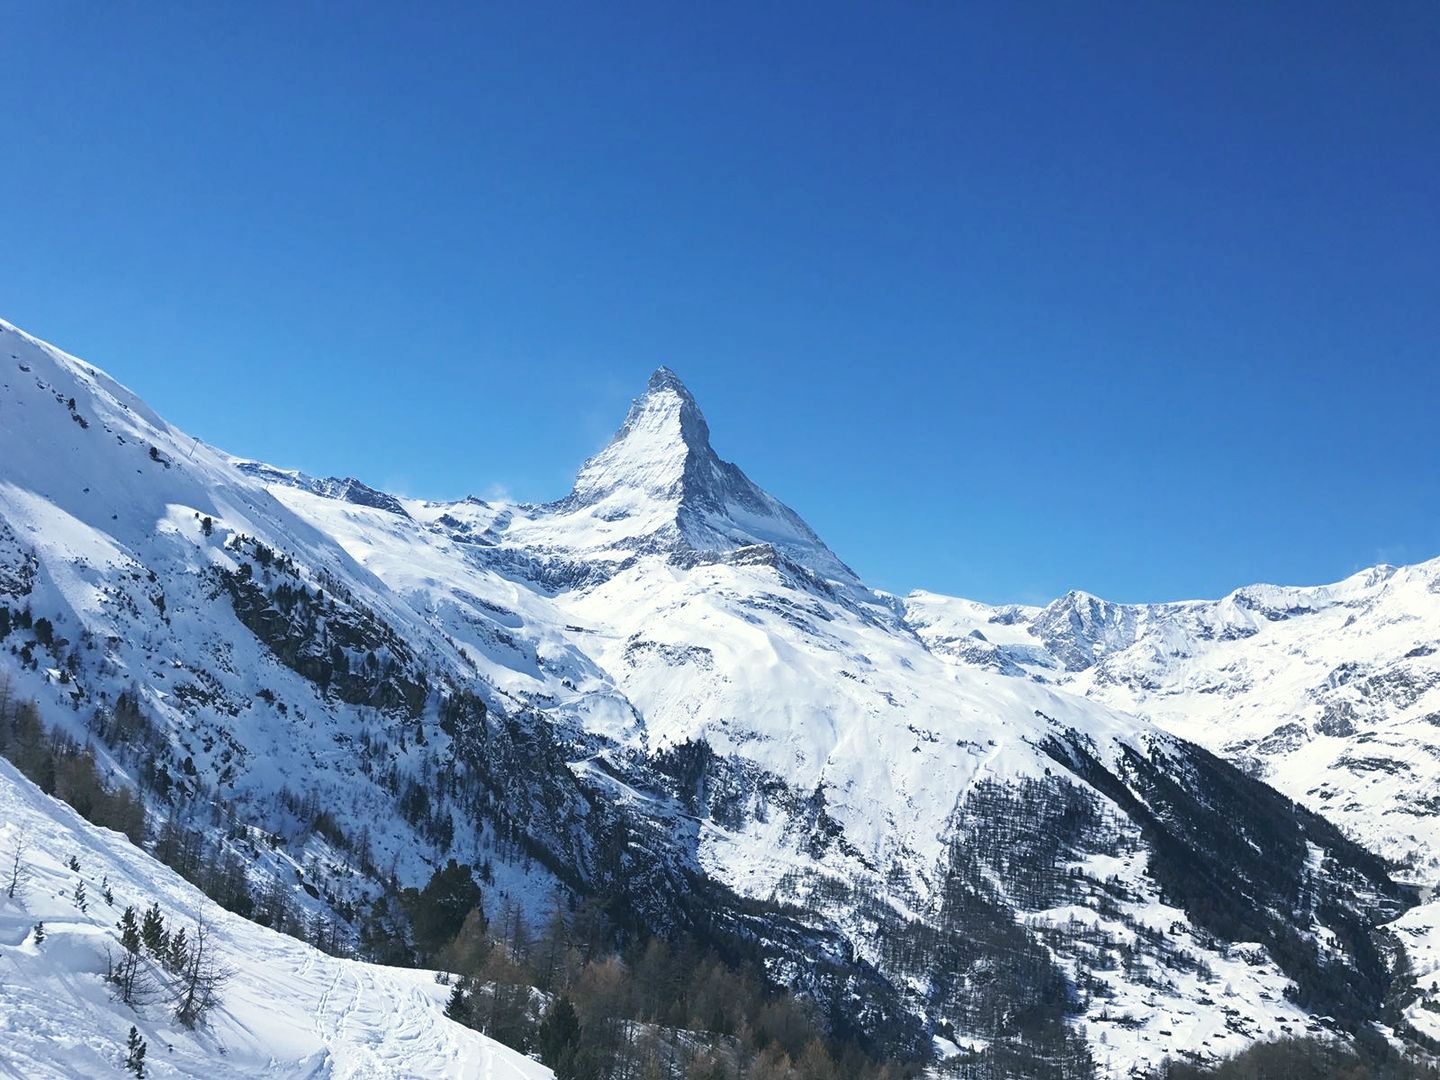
pixel 1006 300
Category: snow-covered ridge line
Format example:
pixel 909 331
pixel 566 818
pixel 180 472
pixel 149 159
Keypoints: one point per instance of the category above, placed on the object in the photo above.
pixel 1303 684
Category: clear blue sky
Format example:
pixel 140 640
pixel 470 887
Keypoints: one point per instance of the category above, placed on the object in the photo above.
pixel 1137 298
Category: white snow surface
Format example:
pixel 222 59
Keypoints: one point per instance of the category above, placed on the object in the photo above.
pixel 288 1010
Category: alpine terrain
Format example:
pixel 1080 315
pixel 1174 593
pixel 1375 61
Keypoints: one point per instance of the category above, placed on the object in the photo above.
pixel 1062 842
pixel 1329 693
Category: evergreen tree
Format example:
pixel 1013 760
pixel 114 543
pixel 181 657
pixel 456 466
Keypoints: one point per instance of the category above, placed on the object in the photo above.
pixel 152 932
pixel 581 1063
pixel 559 1033
pixel 79 896
pixel 457 1008
pixel 179 951
pixel 129 931
pixel 39 933
pixel 438 910
pixel 132 981
pixel 135 1053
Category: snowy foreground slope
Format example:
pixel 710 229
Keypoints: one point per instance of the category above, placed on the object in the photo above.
pixel 665 692
pixel 288 1011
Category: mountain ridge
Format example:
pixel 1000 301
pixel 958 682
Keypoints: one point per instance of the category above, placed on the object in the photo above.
pixel 699 717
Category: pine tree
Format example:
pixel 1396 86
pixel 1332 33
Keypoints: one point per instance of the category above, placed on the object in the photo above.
pixel 135 1053
pixel 152 932
pixel 79 896
pixel 129 931
pixel 179 951
pixel 129 975
pixel 559 1032
pixel 39 933
pixel 458 1007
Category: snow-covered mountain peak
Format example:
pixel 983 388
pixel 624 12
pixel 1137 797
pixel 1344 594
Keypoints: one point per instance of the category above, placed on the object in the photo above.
pixel 664 381
pixel 659 486
pixel 657 449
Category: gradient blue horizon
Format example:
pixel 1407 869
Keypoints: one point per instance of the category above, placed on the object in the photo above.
pixel 1003 299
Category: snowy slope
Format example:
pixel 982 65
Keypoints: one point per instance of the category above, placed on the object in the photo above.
pixel 103 530
pixel 696 711
pixel 717 615
pixel 288 1011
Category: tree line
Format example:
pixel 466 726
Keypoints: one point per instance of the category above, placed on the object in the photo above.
pixel 60 766
pixel 593 1008
pixel 1309 1059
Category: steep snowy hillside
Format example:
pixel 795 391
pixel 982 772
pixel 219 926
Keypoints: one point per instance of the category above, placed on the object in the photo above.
pixel 287 1010
pixel 271 665
pixel 833 759
pixel 1330 693
pixel 664 691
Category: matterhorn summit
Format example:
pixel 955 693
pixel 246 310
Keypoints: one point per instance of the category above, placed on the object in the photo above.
pixel 659 487
pixel 662 450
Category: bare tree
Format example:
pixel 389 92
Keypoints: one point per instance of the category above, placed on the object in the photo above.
pixel 201 979
pixel 129 973
pixel 7 692
pixel 19 871
pixel 130 977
